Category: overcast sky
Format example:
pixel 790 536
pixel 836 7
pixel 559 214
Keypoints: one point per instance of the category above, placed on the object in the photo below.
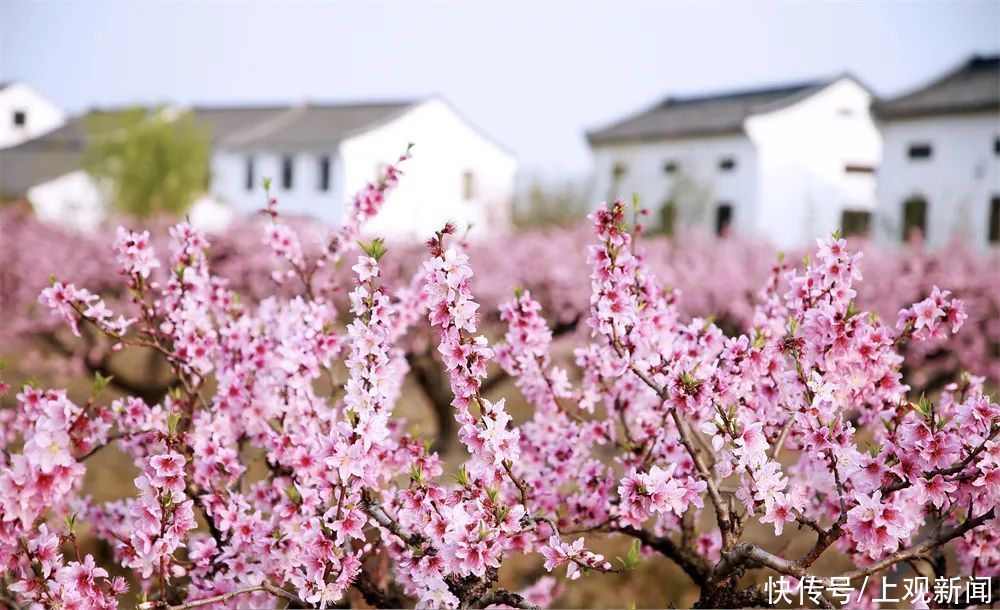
pixel 534 76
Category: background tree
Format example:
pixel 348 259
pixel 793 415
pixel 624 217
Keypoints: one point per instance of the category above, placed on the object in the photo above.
pixel 550 205
pixel 151 161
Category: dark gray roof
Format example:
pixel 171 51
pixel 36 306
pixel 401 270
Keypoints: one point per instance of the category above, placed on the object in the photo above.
pixel 314 125
pixel 702 115
pixel 60 151
pixel 973 86
pixel 41 159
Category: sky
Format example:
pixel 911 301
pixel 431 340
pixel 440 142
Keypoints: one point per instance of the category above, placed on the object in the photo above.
pixel 535 76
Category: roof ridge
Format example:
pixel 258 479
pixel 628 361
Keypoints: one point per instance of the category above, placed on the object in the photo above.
pixel 746 92
pixel 944 76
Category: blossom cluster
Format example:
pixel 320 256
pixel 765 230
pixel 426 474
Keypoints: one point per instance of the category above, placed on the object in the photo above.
pixel 276 470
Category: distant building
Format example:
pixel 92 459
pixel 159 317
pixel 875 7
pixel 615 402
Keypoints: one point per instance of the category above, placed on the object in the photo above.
pixel 25 114
pixel 317 156
pixel 940 171
pixel 783 163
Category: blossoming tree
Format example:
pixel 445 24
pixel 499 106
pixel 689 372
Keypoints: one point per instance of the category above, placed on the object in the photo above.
pixel 662 431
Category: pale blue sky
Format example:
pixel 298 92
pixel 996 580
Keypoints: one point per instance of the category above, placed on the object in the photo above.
pixel 533 75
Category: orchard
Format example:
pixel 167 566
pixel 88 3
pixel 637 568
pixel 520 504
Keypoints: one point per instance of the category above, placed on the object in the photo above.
pixel 683 395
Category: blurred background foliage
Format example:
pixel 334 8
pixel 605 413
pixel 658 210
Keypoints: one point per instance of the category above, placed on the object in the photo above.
pixel 151 161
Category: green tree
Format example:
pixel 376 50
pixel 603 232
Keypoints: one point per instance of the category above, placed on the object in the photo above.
pixel 151 161
pixel 548 205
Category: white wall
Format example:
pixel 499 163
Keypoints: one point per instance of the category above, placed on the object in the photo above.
pixel 40 115
pixel 803 151
pixel 229 182
pixel 958 180
pixel 431 190
pixel 697 186
pixel 72 200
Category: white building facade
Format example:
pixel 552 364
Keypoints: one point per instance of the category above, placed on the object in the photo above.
pixel 318 157
pixel 940 172
pixel 25 114
pixel 787 164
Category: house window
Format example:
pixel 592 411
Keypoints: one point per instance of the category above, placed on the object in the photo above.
pixel 324 173
pixel 914 217
pixel 250 174
pixel 723 219
pixel 994 235
pixel 857 168
pixel 855 222
pixel 468 185
pixel 919 151
pixel 670 167
pixel 286 172
pixel 996 146
pixel 618 171
pixel 20 118
pixel 668 218
pixel 727 164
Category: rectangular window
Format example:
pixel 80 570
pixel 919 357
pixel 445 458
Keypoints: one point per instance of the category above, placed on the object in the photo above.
pixel 855 222
pixel 20 118
pixel 919 151
pixel 996 146
pixel 468 185
pixel 994 234
pixel 668 218
pixel 671 167
pixel 727 164
pixel 914 217
pixel 857 168
pixel 618 171
pixel 251 178
pixel 324 173
pixel 286 172
pixel 723 218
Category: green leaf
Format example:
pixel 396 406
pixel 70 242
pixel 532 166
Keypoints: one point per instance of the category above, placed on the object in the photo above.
pixel 633 558
pixel 293 494
pixel 375 248
pixel 172 421
pixel 100 382
pixel 267 183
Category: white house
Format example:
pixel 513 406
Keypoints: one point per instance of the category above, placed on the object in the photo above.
pixel 25 114
pixel 940 171
pixel 784 163
pixel 317 157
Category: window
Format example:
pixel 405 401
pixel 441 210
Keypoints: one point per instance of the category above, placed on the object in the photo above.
pixel 286 172
pixel 727 164
pixel 324 173
pixel 671 167
pixel 914 217
pixel 994 235
pixel 723 219
pixel 250 174
pixel 468 185
pixel 20 118
pixel 855 222
pixel 668 218
pixel 919 151
pixel 618 171
pixel 857 168
pixel 996 146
